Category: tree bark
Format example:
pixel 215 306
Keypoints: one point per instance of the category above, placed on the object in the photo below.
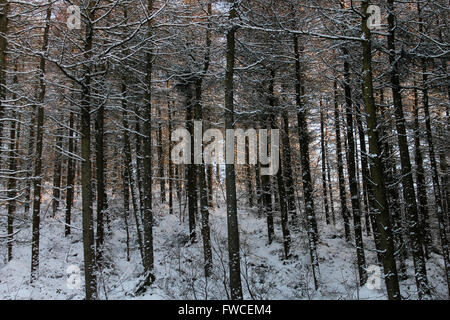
pixel 230 175
pixel 304 141
pixel 380 209
pixel 38 154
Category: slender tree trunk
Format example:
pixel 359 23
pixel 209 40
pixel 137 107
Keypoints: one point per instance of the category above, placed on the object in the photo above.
pixel 283 204
pixel 126 206
pixel 324 173
pixel 352 177
pixel 12 182
pixel 101 190
pixel 340 165
pixel 70 176
pixel 38 154
pixel 57 171
pixel 200 170
pixel 147 161
pixel 421 183
pixel 304 141
pixel 287 162
pixel 435 176
pixel 395 203
pixel 380 209
pixel 230 175
pixel 191 169
pixel 128 162
pixel 29 166
pixel 370 221
pixel 434 172
pixel 171 171
pixel 330 189
pixel 407 179
pixel 162 180
pixel 86 170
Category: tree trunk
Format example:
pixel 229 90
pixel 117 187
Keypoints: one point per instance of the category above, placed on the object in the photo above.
pixel 100 172
pixel 283 203
pixel 340 165
pixel 57 172
pixel 70 176
pixel 191 174
pixel 353 182
pixel 12 182
pixel 128 162
pixel 287 162
pixel 86 171
pixel 147 162
pixel 162 178
pixel 380 208
pixel 230 175
pixel 324 173
pixel 304 141
pixel 422 197
pixel 407 179
pixel 38 154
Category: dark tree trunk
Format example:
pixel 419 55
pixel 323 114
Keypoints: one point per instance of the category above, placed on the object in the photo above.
pixel 230 175
pixel 422 197
pixel 407 178
pixel 353 182
pixel 12 182
pixel 380 209
pixel 304 141
pixel 162 179
pixel 70 176
pixel 128 172
pixel 191 169
pixel 340 165
pixel 324 173
pixel 37 193
pixel 100 173
pixel 86 171
pixel 147 162
pixel 287 162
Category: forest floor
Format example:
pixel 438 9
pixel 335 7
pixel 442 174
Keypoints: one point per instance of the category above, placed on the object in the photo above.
pixel 178 263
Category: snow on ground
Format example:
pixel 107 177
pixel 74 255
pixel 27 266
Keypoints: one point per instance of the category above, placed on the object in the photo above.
pixel 179 271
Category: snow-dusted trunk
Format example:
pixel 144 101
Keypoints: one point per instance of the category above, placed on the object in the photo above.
pixel 304 141
pixel 128 171
pixel 323 157
pixel 38 153
pixel 230 175
pixel 405 161
pixel 422 197
pixel 352 177
pixel 70 179
pixel 288 175
pixel 86 172
pixel 147 212
pixel 380 205
pixel 340 167
pixel 442 223
pixel 101 184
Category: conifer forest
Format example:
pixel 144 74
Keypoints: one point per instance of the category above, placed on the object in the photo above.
pixel 224 150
